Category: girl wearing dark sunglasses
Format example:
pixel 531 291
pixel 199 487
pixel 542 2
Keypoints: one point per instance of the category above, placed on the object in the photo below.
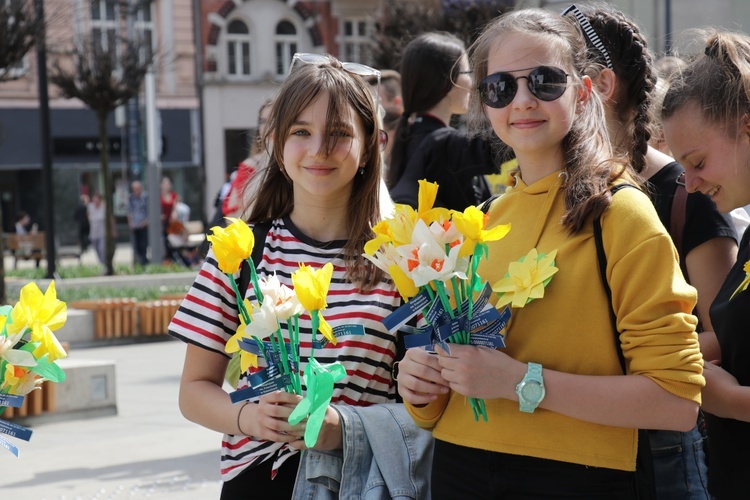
pixel 576 434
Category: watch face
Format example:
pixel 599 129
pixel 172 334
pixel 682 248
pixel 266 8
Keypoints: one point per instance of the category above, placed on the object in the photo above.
pixel 532 391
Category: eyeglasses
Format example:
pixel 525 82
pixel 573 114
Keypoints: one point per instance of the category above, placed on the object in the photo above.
pixel 545 82
pixel 349 67
pixel 589 33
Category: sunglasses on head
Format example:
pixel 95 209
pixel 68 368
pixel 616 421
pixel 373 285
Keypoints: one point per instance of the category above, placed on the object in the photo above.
pixel 349 67
pixel 545 82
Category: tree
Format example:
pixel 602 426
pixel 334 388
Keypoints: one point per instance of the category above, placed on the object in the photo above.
pixel 19 31
pixel 401 21
pixel 103 80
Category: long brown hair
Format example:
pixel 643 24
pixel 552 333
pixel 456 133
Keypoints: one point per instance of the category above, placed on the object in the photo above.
pixel 587 152
pixel 275 196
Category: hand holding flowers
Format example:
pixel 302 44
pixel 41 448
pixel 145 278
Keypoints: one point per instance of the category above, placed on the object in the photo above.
pixel 274 361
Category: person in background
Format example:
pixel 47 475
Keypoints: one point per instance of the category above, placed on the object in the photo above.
pixel 23 223
pixel 705 238
pixel 80 215
pixel 242 189
pixel 96 214
pixel 563 412
pixel 167 200
pixel 138 221
pixel 706 120
pixel 436 85
pixel 392 105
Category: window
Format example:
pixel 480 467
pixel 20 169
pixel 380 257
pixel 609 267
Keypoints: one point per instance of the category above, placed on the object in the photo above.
pixel 21 67
pixel 238 49
pixel 286 46
pixel 105 21
pixel 355 40
pixel 144 28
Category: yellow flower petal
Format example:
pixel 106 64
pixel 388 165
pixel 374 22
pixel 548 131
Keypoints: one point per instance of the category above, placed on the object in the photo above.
pixel 232 244
pixel 525 279
pixel 404 284
pixel 326 330
pixel 311 286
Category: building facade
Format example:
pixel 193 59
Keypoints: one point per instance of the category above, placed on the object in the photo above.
pixel 247 51
pixel 167 28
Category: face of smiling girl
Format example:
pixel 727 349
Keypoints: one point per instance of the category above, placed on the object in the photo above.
pixel 532 127
pixel 316 176
pixel 716 163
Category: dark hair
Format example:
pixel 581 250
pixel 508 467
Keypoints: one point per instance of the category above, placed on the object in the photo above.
pixel 632 64
pixel 428 71
pixel 587 152
pixel 275 196
pixel 717 81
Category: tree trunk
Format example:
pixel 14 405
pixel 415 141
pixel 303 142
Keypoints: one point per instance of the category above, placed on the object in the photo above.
pixel 109 243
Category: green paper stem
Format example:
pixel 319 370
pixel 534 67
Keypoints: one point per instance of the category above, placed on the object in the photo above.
pixel 284 357
pixel 254 281
pixel 295 354
pixel 315 323
pixel 240 301
pixel 444 298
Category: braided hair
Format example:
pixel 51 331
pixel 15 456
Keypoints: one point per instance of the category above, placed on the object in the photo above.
pixel 632 63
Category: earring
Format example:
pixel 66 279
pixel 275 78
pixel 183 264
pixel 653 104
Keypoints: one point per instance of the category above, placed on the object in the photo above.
pixel 362 169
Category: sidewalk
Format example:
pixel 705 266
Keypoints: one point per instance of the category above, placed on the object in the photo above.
pixel 148 450
pixel 123 255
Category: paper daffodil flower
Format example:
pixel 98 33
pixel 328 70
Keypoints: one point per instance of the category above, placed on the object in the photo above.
pixel 19 380
pixel 526 279
pixel 743 286
pixel 425 259
pixel 43 314
pixel 426 200
pixel 247 359
pixel 311 287
pixel 471 223
pixel 232 244
pixel 280 298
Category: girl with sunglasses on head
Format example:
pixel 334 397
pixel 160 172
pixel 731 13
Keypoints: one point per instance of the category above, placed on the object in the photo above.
pixel 436 85
pixel 706 120
pixel 319 195
pixel 705 238
pixel 563 418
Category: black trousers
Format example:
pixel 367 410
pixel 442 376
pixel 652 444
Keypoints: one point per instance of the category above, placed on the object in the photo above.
pixel 257 482
pixel 461 472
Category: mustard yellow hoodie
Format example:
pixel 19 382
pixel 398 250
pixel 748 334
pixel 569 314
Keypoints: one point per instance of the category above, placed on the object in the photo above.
pixel 569 329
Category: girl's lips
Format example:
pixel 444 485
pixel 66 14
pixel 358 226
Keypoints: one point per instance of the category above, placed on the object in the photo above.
pixel 527 123
pixel 318 169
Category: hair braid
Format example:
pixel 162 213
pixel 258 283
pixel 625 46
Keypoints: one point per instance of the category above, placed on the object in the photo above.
pixel 636 80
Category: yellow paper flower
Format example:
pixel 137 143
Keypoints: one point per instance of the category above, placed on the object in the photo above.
pixel 232 244
pixel 311 287
pixel 526 279
pixel 42 313
pixel 743 286
pixel 247 359
pixel 19 381
pixel 426 200
pixel 471 224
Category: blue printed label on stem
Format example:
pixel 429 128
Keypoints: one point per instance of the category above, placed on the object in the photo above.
pixel 15 430
pixel 12 400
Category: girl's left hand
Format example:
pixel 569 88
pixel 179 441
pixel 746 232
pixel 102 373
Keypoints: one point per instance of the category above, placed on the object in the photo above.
pixel 480 372
pixel 331 436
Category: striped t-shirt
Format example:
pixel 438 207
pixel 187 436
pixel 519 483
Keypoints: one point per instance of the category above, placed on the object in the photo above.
pixel 208 317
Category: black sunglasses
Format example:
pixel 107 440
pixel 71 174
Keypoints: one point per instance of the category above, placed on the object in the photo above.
pixel 545 82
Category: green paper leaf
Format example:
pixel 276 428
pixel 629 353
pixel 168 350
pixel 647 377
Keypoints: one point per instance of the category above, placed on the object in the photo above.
pixel 49 371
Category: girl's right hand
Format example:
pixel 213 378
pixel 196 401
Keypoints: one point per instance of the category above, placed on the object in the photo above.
pixel 267 419
pixel 419 378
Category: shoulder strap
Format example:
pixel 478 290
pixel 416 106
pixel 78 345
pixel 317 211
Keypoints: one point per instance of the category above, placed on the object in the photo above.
pixel 601 257
pixel 485 206
pixel 677 220
pixel 260 231
pixel 645 478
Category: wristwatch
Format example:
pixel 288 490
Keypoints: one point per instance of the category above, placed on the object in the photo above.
pixel 530 390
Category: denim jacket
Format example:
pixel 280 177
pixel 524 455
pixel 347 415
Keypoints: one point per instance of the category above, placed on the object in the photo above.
pixel 385 455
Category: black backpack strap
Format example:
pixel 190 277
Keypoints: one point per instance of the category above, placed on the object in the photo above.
pixel 260 231
pixel 645 479
pixel 485 206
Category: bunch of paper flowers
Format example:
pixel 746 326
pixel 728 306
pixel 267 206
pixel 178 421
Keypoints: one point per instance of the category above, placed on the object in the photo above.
pixel 28 351
pixel 271 358
pixel 432 255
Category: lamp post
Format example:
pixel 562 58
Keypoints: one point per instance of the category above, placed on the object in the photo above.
pixel 44 136
pixel 668 27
